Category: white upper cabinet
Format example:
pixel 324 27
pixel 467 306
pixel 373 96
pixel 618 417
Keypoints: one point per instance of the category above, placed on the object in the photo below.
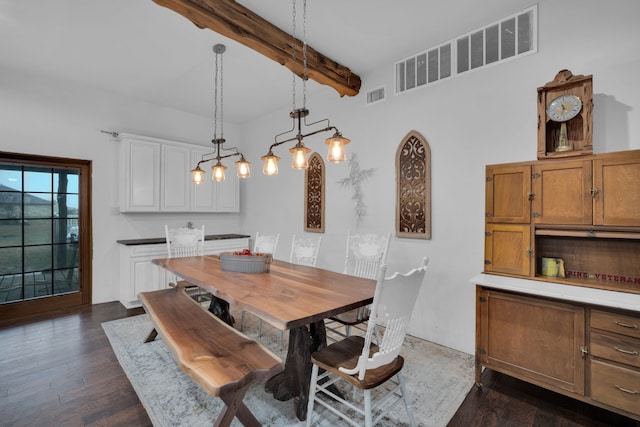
pixel 175 178
pixel 211 196
pixel 155 177
pixel 139 176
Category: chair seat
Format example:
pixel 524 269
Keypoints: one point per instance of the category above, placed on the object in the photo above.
pixel 350 318
pixel 345 354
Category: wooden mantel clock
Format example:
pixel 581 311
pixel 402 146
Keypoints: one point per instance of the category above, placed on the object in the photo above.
pixel 565 116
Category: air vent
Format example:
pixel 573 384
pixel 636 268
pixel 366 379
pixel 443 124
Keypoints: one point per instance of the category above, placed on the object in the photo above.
pixel 512 37
pixel 375 95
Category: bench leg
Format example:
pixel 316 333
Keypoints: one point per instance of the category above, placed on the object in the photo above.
pixel 152 336
pixel 234 407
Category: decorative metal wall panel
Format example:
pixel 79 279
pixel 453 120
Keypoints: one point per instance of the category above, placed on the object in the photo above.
pixel 413 175
pixel 314 195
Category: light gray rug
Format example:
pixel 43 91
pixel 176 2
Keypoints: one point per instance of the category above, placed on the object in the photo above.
pixel 437 378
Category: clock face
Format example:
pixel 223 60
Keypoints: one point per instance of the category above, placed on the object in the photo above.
pixel 564 108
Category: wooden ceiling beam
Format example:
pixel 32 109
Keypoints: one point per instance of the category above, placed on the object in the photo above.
pixel 232 20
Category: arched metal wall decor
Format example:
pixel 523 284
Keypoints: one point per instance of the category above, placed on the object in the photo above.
pixel 314 195
pixel 413 177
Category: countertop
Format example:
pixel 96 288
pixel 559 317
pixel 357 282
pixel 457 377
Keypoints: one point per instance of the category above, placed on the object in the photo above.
pixel 158 240
pixel 602 297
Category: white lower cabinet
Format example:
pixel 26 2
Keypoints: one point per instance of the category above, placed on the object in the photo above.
pixel 138 274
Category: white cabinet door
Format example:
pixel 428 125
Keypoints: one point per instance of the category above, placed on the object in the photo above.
pixel 203 197
pixel 140 176
pixel 139 274
pixel 211 196
pixel 228 193
pixel 155 176
pixel 175 178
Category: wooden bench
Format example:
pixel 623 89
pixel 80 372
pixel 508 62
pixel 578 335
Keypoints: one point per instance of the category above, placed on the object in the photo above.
pixel 220 359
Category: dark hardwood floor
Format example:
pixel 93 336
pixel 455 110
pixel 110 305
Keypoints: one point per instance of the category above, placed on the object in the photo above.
pixel 59 370
pixel 505 401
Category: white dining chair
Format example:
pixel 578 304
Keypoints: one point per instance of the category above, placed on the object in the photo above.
pixel 364 254
pixel 264 244
pixel 305 250
pixel 358 362
pixel 185 242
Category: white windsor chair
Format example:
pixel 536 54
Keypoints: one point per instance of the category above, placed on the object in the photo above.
pixel 304 251
pixel 184 242
pixel 264 244
pixel 357 361
pixel 364 255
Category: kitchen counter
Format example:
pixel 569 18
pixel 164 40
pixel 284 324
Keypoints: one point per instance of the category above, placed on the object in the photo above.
pixel 157 240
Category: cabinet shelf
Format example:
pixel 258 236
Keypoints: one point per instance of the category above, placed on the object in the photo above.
pixel 591 232
pixel 603 261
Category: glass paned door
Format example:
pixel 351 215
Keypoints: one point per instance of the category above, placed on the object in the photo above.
pixel 39 231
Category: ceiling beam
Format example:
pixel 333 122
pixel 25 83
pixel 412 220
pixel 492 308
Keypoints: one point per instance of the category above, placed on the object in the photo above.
pixel 232 20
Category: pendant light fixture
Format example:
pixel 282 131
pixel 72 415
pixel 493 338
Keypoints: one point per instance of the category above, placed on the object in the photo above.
pixel 243 171
pixel 299 152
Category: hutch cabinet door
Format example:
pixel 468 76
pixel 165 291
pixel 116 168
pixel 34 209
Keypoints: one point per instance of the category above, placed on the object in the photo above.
pixel 561 192
pixel 507 249
pixel 533 339
pixel 507 194
pixel 616 198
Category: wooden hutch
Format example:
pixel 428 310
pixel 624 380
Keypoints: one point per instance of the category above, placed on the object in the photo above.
pixel 575 330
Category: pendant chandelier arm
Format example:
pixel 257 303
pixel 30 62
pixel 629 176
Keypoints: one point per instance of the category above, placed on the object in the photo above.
pixel 218 168
pixel 336 142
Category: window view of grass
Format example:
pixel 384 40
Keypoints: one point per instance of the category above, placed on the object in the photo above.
pixel 38 232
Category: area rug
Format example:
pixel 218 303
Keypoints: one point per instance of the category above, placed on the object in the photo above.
pixel 437 379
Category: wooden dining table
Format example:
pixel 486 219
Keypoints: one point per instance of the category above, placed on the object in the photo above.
pixel 290 297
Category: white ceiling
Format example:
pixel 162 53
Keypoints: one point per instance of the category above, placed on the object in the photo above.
pixel 140 49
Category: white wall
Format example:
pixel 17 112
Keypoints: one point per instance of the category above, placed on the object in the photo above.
pixel 487 116
pixel 61 119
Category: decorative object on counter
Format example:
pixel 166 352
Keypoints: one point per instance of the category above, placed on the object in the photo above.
pixel 565 122
pixel 336 142
pixel 218 169
pixel 552 267
pixel 245 261
pixel 413 178
pixel 355 180
pixel 314 195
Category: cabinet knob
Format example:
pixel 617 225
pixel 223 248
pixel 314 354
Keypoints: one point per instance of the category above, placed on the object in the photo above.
pixel 593 191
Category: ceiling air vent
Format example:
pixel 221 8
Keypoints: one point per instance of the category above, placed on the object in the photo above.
pixel 375 95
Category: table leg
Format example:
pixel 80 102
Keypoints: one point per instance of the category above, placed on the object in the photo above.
pixel 293 382
pixel 220 309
